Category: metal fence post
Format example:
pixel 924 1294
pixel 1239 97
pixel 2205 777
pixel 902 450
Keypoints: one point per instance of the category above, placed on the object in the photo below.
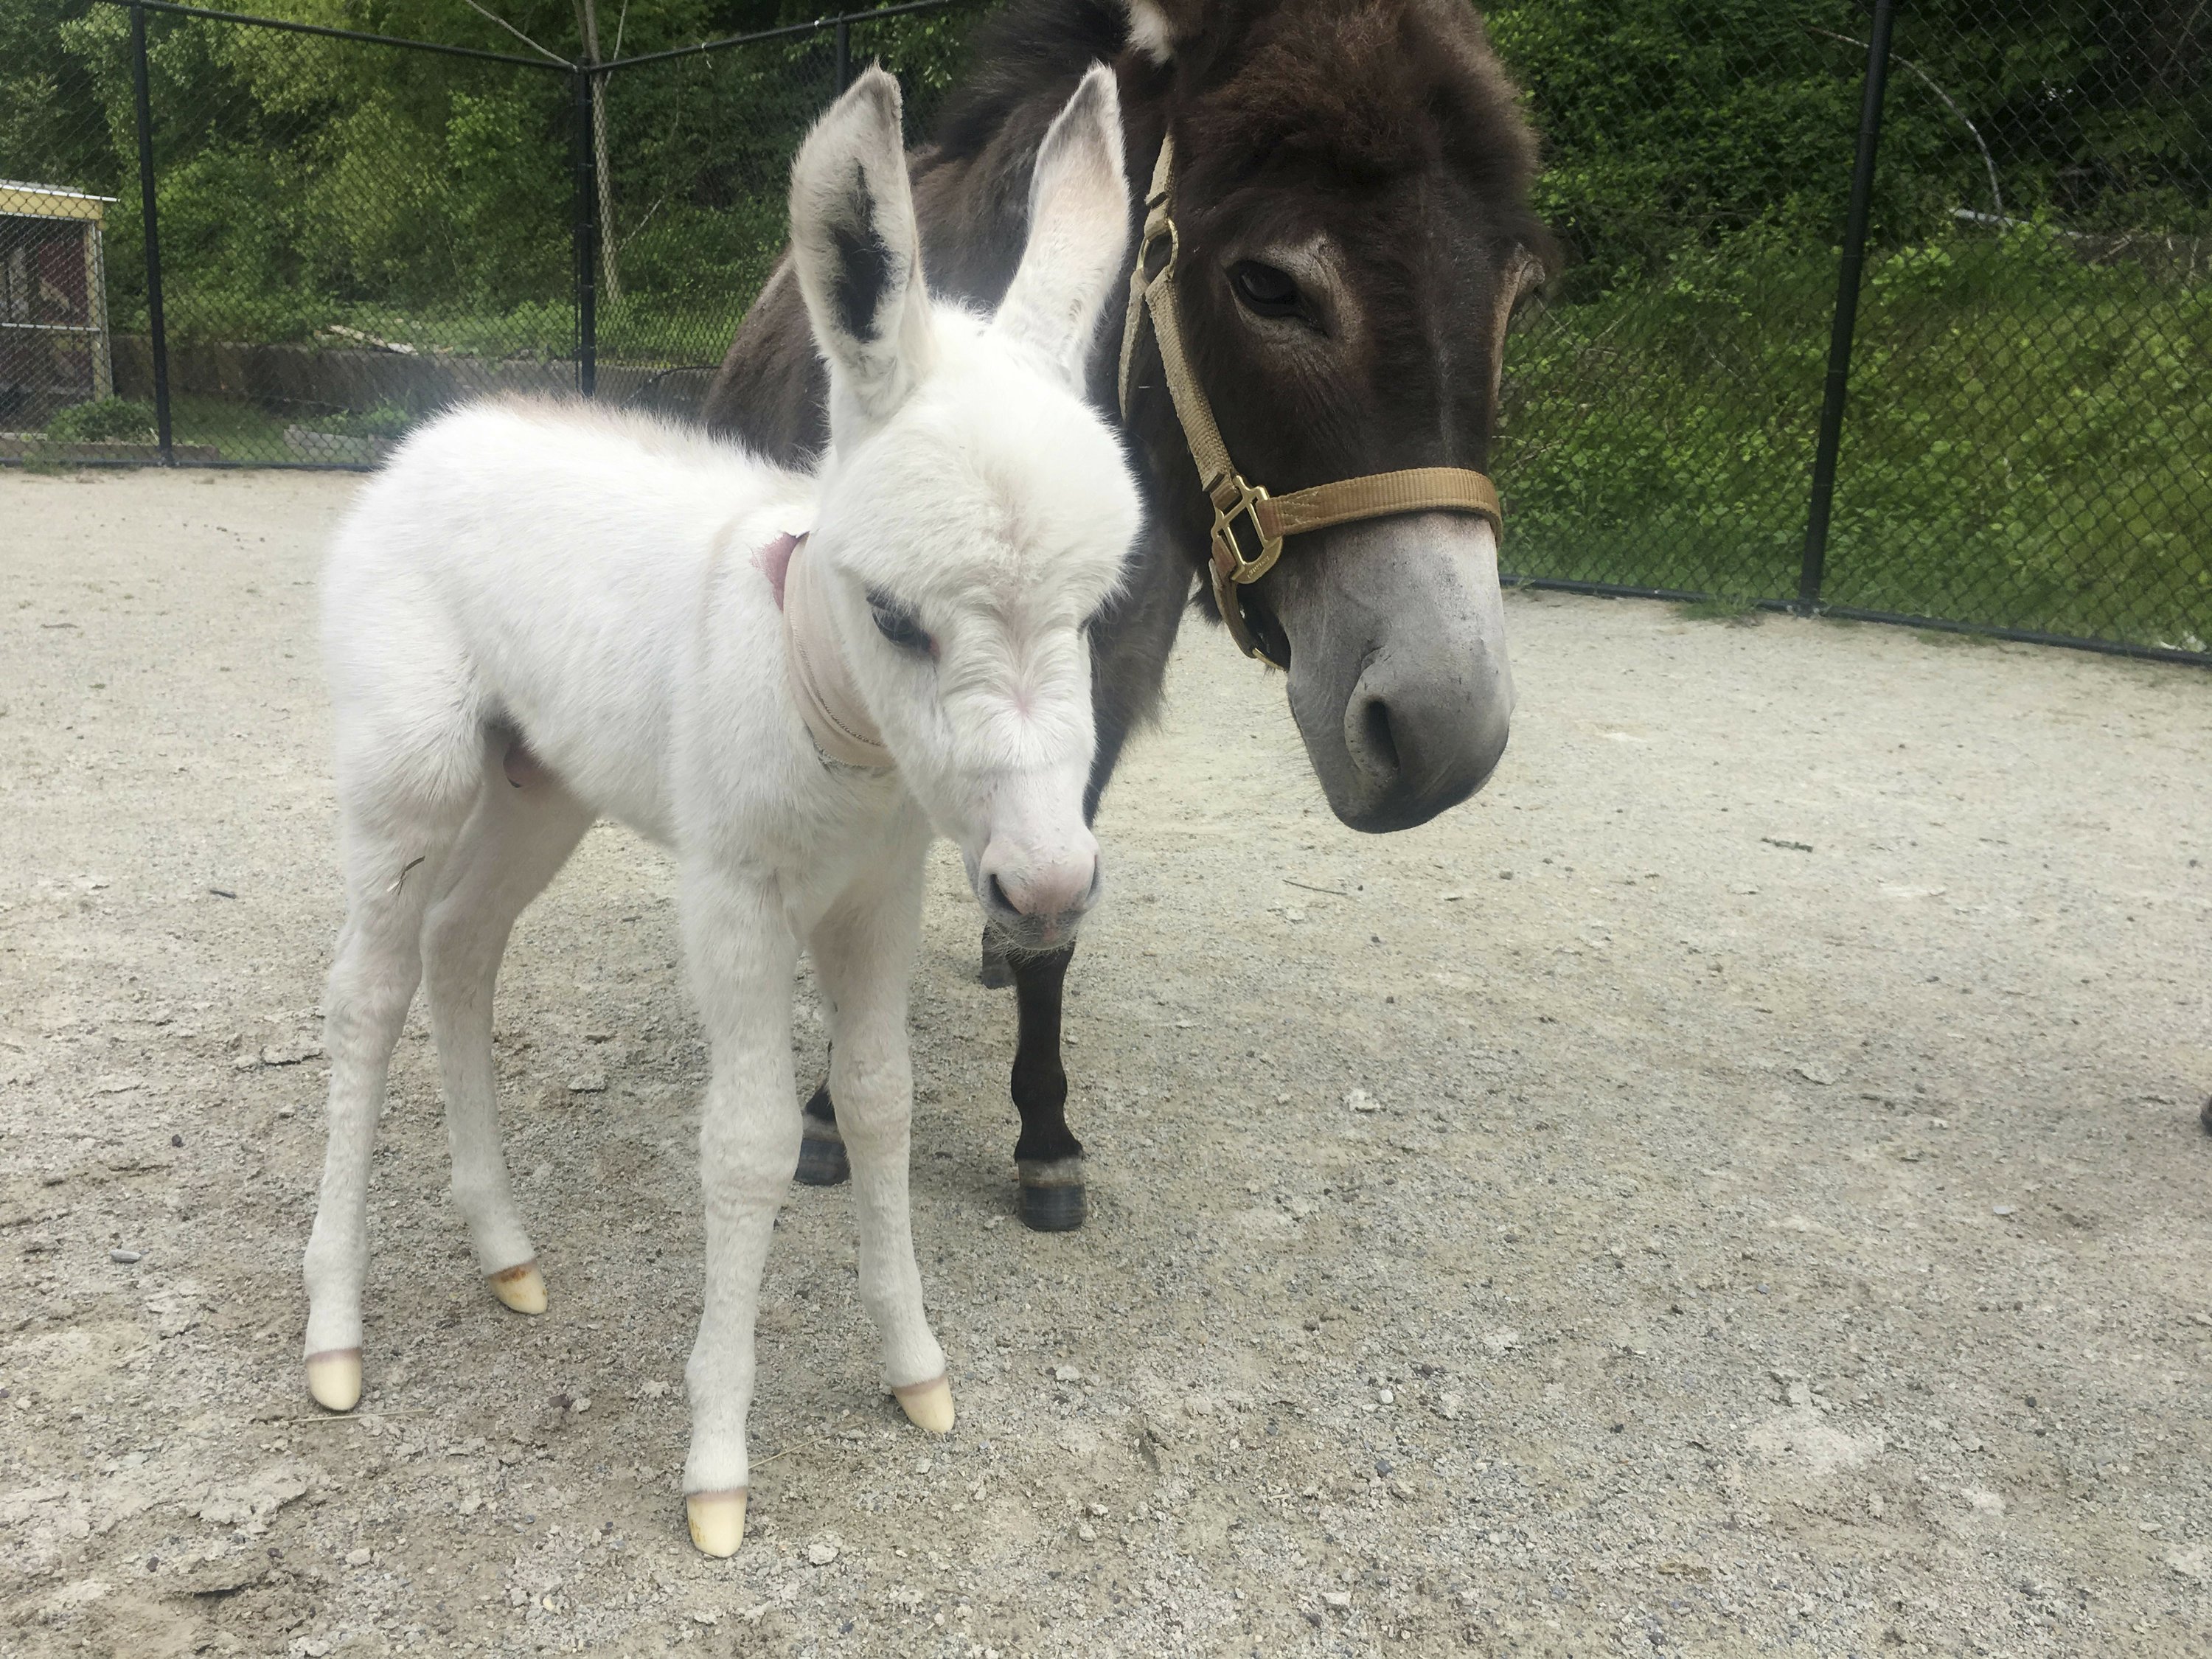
pixel 156 326
pixel 586 233
pixel 1848 278
pixel 844 55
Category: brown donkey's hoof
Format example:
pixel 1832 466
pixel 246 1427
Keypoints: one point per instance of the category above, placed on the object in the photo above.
pixel 822 1160
pixel 1053 1199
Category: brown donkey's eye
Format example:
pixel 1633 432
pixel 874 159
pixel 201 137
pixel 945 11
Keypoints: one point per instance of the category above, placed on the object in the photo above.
pixel 1264 290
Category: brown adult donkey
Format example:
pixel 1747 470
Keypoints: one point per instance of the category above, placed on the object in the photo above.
pixel 1331 250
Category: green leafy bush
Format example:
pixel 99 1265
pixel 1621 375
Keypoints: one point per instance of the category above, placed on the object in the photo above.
pixel 2023 444
pixel 387 421
pixel 108 420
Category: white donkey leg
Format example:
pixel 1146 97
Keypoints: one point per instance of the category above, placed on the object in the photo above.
pixel 740 954
pixel 515 842
pixel 395 847
pixel 865 950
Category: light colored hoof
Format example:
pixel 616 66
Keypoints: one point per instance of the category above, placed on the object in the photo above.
pixel 522 1288
pixel 334 1378
pixel 928 1405
pixel 718 1521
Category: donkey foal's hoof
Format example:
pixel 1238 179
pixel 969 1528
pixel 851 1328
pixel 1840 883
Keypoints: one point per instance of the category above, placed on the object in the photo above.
pixel 1053 1199
pixel 718 1521
pixel 334 1378
pixel 521 1288
pixel 928 1405
pixel 822 1160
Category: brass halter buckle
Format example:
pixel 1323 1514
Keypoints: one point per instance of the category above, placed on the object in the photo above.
pixel 1242 514
pixel 1232 568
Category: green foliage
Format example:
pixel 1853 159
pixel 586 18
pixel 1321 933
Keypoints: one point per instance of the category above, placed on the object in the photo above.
pixel 387 421
pixel 109 419
pixel 2027 426
pixel 1668 125
pixel 2024 442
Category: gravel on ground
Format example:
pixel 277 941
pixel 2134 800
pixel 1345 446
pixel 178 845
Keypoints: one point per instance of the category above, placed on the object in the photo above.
pixel 1735 1186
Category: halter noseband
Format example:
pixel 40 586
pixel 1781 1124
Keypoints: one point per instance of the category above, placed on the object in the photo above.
pixel 1249 525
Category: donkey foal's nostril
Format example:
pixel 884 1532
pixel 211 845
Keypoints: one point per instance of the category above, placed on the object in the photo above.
pixel 998 895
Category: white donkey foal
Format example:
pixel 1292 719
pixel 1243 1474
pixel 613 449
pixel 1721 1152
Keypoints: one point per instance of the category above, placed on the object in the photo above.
pixel 540 613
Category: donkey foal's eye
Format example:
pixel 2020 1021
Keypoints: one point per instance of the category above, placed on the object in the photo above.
pixel 899 625
pixel 1264 290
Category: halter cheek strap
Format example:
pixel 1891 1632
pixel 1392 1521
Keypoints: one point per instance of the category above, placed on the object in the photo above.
pixel 1250 526
pixel 821 681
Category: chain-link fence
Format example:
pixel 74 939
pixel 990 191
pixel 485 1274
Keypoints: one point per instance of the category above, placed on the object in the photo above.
pixel 2022 305
pixel 1990 220
pixel 350 230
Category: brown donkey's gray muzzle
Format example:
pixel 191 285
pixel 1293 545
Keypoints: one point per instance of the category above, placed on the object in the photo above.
pixel 1399 677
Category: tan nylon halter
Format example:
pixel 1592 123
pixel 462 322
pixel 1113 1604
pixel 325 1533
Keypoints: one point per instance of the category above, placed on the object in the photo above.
pixel 1238 502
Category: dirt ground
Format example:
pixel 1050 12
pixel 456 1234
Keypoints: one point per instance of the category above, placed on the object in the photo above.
pixel 1736 1186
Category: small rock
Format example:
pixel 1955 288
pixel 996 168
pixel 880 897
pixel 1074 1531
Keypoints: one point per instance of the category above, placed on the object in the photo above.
pixel 583 1403
pixel 1797 1392
pixel 118 1085
pixel 1065 1374
pixel 290 1054
pixel 701 1616
pixel 921 1466
pixel 1386 1396
pixel 593 1082
pixel 359 1558
pixel 126 1257
pixel 2001 1209
pixel 1448 1406
pixel 1874 1506
pixel 246 1063
pixel 1360 1101
pixel 1502 1341
pixel 1339 1600
pixel 1813 1072
pixel 821 1552
pixel 1087 1532
pixel 1983 1503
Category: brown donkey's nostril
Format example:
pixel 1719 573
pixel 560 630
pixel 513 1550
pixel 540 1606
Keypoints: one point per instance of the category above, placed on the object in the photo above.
pixel 1382 744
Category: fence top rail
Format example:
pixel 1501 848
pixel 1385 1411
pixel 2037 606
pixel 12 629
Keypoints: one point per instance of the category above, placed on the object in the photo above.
pixel 560 64
pixel 783 33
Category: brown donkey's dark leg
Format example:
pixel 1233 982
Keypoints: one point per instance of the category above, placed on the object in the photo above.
pixel 822 1160
pixel 1048 1156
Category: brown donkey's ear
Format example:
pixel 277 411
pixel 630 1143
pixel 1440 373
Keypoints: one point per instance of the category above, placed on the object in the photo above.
pixel 1156 27
pixel 859 255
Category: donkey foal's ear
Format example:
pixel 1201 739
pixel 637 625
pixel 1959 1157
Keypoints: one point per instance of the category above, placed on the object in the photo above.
pixel 859 254
pixel 1078 230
